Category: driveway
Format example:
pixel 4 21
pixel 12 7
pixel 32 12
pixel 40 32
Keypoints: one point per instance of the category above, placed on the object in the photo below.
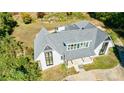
pixel 116 73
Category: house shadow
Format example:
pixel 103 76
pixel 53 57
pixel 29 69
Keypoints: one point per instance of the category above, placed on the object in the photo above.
pixel 119 52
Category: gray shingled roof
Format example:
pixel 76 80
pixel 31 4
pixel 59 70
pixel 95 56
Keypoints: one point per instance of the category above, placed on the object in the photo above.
pixel 73 33
pixel 40 41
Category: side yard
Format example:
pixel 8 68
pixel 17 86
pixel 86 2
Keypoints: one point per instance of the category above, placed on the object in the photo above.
pixel 103 62
pixel 120 33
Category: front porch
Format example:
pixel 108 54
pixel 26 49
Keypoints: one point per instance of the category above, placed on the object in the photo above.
pixel 77 63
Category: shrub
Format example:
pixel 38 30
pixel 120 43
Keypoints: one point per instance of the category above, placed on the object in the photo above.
pixel 40 14
pixel 27 19
pixel 7 23
pixel 68 13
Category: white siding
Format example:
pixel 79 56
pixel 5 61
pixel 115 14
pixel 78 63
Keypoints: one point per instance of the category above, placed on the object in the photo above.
pixel 56 60
pixel 100 46
pixel 57 57
pixel 109 45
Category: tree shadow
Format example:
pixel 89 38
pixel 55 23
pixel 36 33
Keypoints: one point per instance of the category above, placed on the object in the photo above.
pixel 119 32
pixel 119 52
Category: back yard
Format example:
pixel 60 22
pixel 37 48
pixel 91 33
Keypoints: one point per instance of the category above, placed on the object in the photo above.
pixel 26 32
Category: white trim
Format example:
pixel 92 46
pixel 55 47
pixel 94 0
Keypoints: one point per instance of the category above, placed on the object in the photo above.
pixel 83 42
pixel 97 50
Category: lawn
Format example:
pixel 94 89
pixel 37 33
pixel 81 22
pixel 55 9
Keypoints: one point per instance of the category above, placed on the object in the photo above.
pixel 113 35
pixel 57 73
pixel 26 33
pixel 120 33
pixel 103 62
pixel 117 35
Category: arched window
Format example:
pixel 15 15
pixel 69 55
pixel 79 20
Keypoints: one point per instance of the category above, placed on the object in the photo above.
pixel 49 58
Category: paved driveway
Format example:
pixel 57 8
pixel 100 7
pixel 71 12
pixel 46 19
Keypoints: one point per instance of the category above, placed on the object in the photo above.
pixel 116 73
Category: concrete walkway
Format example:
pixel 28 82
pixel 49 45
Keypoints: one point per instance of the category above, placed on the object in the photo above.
pixel 114 74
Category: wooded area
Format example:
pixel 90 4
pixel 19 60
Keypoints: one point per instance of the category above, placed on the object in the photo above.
pixel 14 63
pixel 110 19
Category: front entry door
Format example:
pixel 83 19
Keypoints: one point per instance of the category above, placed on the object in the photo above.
pixel 104 47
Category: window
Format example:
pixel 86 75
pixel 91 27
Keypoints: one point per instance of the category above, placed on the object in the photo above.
pixel 86 45
pixel 79 45
pixel 62 58
pixel 71 46
pixel 49 58
pixel 75 46
pixel 104 48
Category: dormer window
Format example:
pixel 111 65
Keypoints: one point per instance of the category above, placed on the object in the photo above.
pixel 78 45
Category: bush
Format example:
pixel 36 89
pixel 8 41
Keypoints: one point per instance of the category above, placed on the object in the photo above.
pixel 7 23
pixel 68 13
pixel 40 14
pixel 27 19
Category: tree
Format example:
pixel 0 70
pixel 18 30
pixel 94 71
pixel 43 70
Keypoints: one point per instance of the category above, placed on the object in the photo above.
pixel 113 19
pixel 21 68
pixel 16 66
pixel 7 23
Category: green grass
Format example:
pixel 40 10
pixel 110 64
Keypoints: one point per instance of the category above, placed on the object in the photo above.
pixel 103 62
pixel 116 34
pixel 113 35
pixel 57 73
pixel 120 33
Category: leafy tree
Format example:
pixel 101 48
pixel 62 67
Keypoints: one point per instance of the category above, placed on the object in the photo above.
pixel 14 64
pixel 7 23
pixel 111 19
pixel 21 68
pixel 27 19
